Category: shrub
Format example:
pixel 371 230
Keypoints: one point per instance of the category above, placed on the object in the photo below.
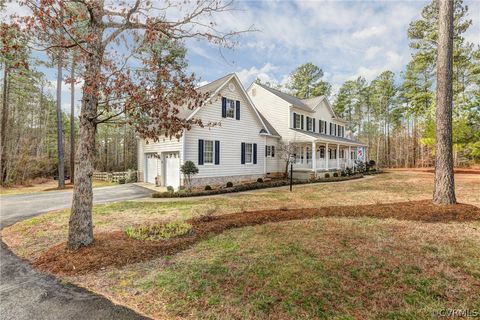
pixel 229 184
pixel 189 169
pixel 260 180
pixel 335 174
pixel 170 189
pixel 181 188
pixel 348 171
pixel 327 175
pixel 121 181
pixel 343 174
pixel 207 187
pixel 159 231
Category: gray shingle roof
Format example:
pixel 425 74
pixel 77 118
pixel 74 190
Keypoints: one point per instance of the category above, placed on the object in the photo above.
pixel 328 137
pixel 270 128
pixel 289 98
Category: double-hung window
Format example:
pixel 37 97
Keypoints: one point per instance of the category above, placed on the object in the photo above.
pixel 309 124
pixel 230 108
pixel 208 152
pixel 248 153
pixel 297 121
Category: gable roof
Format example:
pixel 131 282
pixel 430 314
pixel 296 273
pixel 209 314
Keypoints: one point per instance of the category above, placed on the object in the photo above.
pixel 214 87
pixel 287 97
pixel 308 105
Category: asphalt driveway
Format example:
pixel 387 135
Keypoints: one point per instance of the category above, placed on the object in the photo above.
pixel 28 294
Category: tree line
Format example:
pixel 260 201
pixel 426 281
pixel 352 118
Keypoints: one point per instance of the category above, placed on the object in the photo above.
pixel 394 114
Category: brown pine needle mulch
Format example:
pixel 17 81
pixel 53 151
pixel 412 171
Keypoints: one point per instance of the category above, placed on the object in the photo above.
pixel 117 249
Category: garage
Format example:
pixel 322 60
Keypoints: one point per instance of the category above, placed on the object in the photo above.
pixel 151 167
pixel 172 169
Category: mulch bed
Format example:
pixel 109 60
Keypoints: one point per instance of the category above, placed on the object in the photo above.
pixel 116 249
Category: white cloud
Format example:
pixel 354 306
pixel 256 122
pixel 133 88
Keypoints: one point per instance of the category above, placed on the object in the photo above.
pixel 372 52
pixel 374 31
pixel 264 74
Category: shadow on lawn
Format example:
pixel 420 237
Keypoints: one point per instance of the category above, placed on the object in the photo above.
pixel 117 249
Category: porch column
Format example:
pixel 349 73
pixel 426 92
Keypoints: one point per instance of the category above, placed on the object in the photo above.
pixel 349 156
pixel 314 158
pixel 327 158
pixel 338 156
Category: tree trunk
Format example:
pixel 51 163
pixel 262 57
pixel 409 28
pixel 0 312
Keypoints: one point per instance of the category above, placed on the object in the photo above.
pixel 61 156
pixel 3 129
pixel 444 191
pixel 72 123
pixel 80 231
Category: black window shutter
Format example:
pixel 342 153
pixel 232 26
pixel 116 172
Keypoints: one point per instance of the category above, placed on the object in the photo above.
pixel 273 151
pixel 200 151
pixel 224 107
pixel 237 113
pixel 217 152
pixel 301 124
pixel 313 121
pixel 294 120
pixel 254 153
pixel 243 153
pixel 266 151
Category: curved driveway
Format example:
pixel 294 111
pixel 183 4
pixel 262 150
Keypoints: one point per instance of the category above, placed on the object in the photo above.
pixel 28 294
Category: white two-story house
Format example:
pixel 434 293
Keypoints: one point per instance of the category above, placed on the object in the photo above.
pixel 320 136
pixel 244 144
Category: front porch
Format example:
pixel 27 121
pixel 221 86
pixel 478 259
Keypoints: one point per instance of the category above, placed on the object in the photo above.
pixel 328 157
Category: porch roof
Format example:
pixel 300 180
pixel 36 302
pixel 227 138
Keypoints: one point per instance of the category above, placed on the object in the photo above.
pixel 320 137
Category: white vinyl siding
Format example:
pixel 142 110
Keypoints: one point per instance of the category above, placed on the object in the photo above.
pixel 230 134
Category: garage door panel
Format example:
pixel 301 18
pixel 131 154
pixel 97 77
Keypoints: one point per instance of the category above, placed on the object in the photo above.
pixel 151 167
pixel 172 170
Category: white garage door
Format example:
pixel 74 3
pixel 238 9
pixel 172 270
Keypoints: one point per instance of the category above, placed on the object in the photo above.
pixel 172 170
pixel 151 167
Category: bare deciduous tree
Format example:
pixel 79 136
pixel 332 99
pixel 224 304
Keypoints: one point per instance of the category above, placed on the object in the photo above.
pixel 108 36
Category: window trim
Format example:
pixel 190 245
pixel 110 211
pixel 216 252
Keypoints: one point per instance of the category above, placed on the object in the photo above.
pixel 205 152
pixel 246 153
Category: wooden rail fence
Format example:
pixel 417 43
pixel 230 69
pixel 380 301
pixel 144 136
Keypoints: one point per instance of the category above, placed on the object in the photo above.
pixel 110 176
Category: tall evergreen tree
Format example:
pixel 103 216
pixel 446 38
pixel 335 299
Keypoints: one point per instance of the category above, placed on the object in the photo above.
pixel 307 82
pixel 444 191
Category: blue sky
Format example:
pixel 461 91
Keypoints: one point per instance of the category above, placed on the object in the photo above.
pixel 346 39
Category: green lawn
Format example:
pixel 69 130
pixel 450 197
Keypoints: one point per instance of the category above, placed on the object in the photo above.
pixel 328 268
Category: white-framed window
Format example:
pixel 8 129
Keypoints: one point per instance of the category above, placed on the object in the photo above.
pixel 297 121
pixel 230 108
pixel 352 155
pixel 309 124
pixel 342 154
pixel 208 152
pixel 248 153
pixel 309 154
pixel 270 151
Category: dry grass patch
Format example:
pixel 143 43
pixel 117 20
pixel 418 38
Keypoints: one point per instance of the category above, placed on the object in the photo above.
pixel 142 243
pixel 325 268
